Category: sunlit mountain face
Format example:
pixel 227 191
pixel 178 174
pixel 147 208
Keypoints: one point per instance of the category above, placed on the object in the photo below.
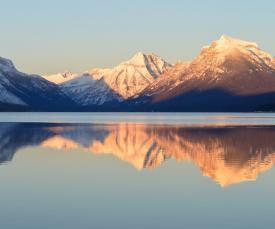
pixel 229 75
pixel 228 155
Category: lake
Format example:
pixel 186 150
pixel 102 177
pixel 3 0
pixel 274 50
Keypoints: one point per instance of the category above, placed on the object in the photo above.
pixel 137 170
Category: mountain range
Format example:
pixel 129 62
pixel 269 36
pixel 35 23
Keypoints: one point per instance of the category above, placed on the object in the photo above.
pixel 229 75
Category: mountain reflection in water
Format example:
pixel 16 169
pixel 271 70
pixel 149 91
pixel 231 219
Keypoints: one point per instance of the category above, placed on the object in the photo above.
pixel 228 155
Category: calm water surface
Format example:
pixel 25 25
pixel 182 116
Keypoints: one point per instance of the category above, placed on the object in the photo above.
pixel 82 170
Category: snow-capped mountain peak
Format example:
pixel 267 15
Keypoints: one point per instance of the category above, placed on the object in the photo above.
pixel 227 44
pixel 230 41
pixel 231 54
pixel 138 59
pixel 60 77
pixel 228 64
pixel 17 88
pixel 152 62
pixel 141 59
pixel 131 77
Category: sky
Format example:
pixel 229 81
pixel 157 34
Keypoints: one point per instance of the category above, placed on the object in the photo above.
pixel 49 36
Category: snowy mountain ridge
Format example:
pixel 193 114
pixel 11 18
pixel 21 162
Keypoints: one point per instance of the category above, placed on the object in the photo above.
pixel 17 88
pixel 87 91
pixel 228 66
pixel 131 77
pixel 225 59
pixel 60 77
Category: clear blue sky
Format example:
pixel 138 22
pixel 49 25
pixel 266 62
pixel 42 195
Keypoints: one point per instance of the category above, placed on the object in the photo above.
pixel 55 35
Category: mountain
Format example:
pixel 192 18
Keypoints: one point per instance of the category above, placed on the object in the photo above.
pixel 31 91
pixel 87 91
pixel 228 75
pixel 131 77
pixel 60 77
pixel 104 87
pixel 6 96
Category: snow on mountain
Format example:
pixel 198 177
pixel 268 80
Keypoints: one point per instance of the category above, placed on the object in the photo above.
pixel 87 91
pixel 230 66
pixel 131 77
pixel 101 86
pixel 230 54
pixel 227 63
pixel 99 73
pixel 8 97
pixel 171 78
pixel 31 90
pixel 60 77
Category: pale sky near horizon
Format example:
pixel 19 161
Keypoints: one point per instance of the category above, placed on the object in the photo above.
pixel 50 36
